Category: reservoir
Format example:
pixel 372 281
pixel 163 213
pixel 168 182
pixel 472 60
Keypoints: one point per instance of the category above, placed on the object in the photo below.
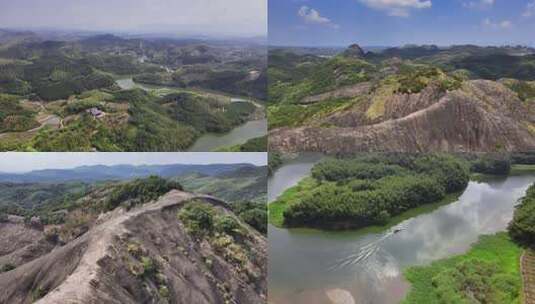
pixel 365 266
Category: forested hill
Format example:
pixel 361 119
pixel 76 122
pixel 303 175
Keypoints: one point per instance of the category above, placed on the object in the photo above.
pixel 118 172
pixel 411 99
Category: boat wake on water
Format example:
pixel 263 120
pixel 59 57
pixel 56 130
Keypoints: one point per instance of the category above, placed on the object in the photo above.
pixel 365 252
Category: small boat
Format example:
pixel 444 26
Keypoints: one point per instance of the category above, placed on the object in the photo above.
pixel 397 230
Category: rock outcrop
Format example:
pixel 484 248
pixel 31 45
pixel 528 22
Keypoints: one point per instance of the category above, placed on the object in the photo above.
pixel 144 255
pixel 482 116
pixel 354 51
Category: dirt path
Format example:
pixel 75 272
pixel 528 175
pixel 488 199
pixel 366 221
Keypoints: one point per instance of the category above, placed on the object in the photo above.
pixel 527 267
pixel 49 120
pixel 77 287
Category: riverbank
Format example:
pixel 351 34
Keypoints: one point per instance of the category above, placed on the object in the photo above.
pixel 490 270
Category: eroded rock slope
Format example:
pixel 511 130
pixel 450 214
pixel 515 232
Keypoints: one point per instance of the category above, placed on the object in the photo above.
pixel 479 116
pixel 146 255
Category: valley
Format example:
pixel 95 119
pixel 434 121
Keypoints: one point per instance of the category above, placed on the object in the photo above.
pixel 402 99
pixel 129 94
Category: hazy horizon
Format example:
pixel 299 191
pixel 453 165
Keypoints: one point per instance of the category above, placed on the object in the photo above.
pixel 364 46
pixel 131 34
pixel 33 161
pixel 212 18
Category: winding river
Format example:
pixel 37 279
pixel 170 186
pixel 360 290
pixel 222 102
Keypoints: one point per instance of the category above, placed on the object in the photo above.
pixel 211 141
pixel 238 135
pixel 353 267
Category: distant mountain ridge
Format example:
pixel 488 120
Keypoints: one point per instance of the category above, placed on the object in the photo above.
pixel 117 172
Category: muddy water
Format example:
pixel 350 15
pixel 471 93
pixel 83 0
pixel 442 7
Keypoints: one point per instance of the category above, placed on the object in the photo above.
pixel 317 267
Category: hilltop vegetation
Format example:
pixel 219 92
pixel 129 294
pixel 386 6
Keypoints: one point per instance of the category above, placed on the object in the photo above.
pixel 316 102
pixel 140 191
pixel 63 202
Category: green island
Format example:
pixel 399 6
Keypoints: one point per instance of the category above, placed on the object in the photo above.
pixel 368 190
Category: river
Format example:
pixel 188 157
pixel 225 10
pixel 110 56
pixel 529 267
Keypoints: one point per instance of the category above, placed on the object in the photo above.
pixel 211 141
pixel 352 267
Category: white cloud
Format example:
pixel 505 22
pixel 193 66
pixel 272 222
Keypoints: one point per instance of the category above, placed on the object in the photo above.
pixel 398 8
pixel 479 4
pixel 530 10
pixel 312 16
pixel 505 24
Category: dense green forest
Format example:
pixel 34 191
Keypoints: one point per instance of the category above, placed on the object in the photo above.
pixel 369 190
pixel 140 191
pixel 207 115
pixel 48 201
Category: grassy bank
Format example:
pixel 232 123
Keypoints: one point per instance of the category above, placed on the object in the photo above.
pixel 289 197
pixel 488 273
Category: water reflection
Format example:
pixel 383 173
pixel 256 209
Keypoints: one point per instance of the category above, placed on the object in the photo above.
pixel 291 173
pixel 301 260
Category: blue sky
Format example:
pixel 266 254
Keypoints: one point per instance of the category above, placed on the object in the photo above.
pixel 206 17
pixel 400 22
